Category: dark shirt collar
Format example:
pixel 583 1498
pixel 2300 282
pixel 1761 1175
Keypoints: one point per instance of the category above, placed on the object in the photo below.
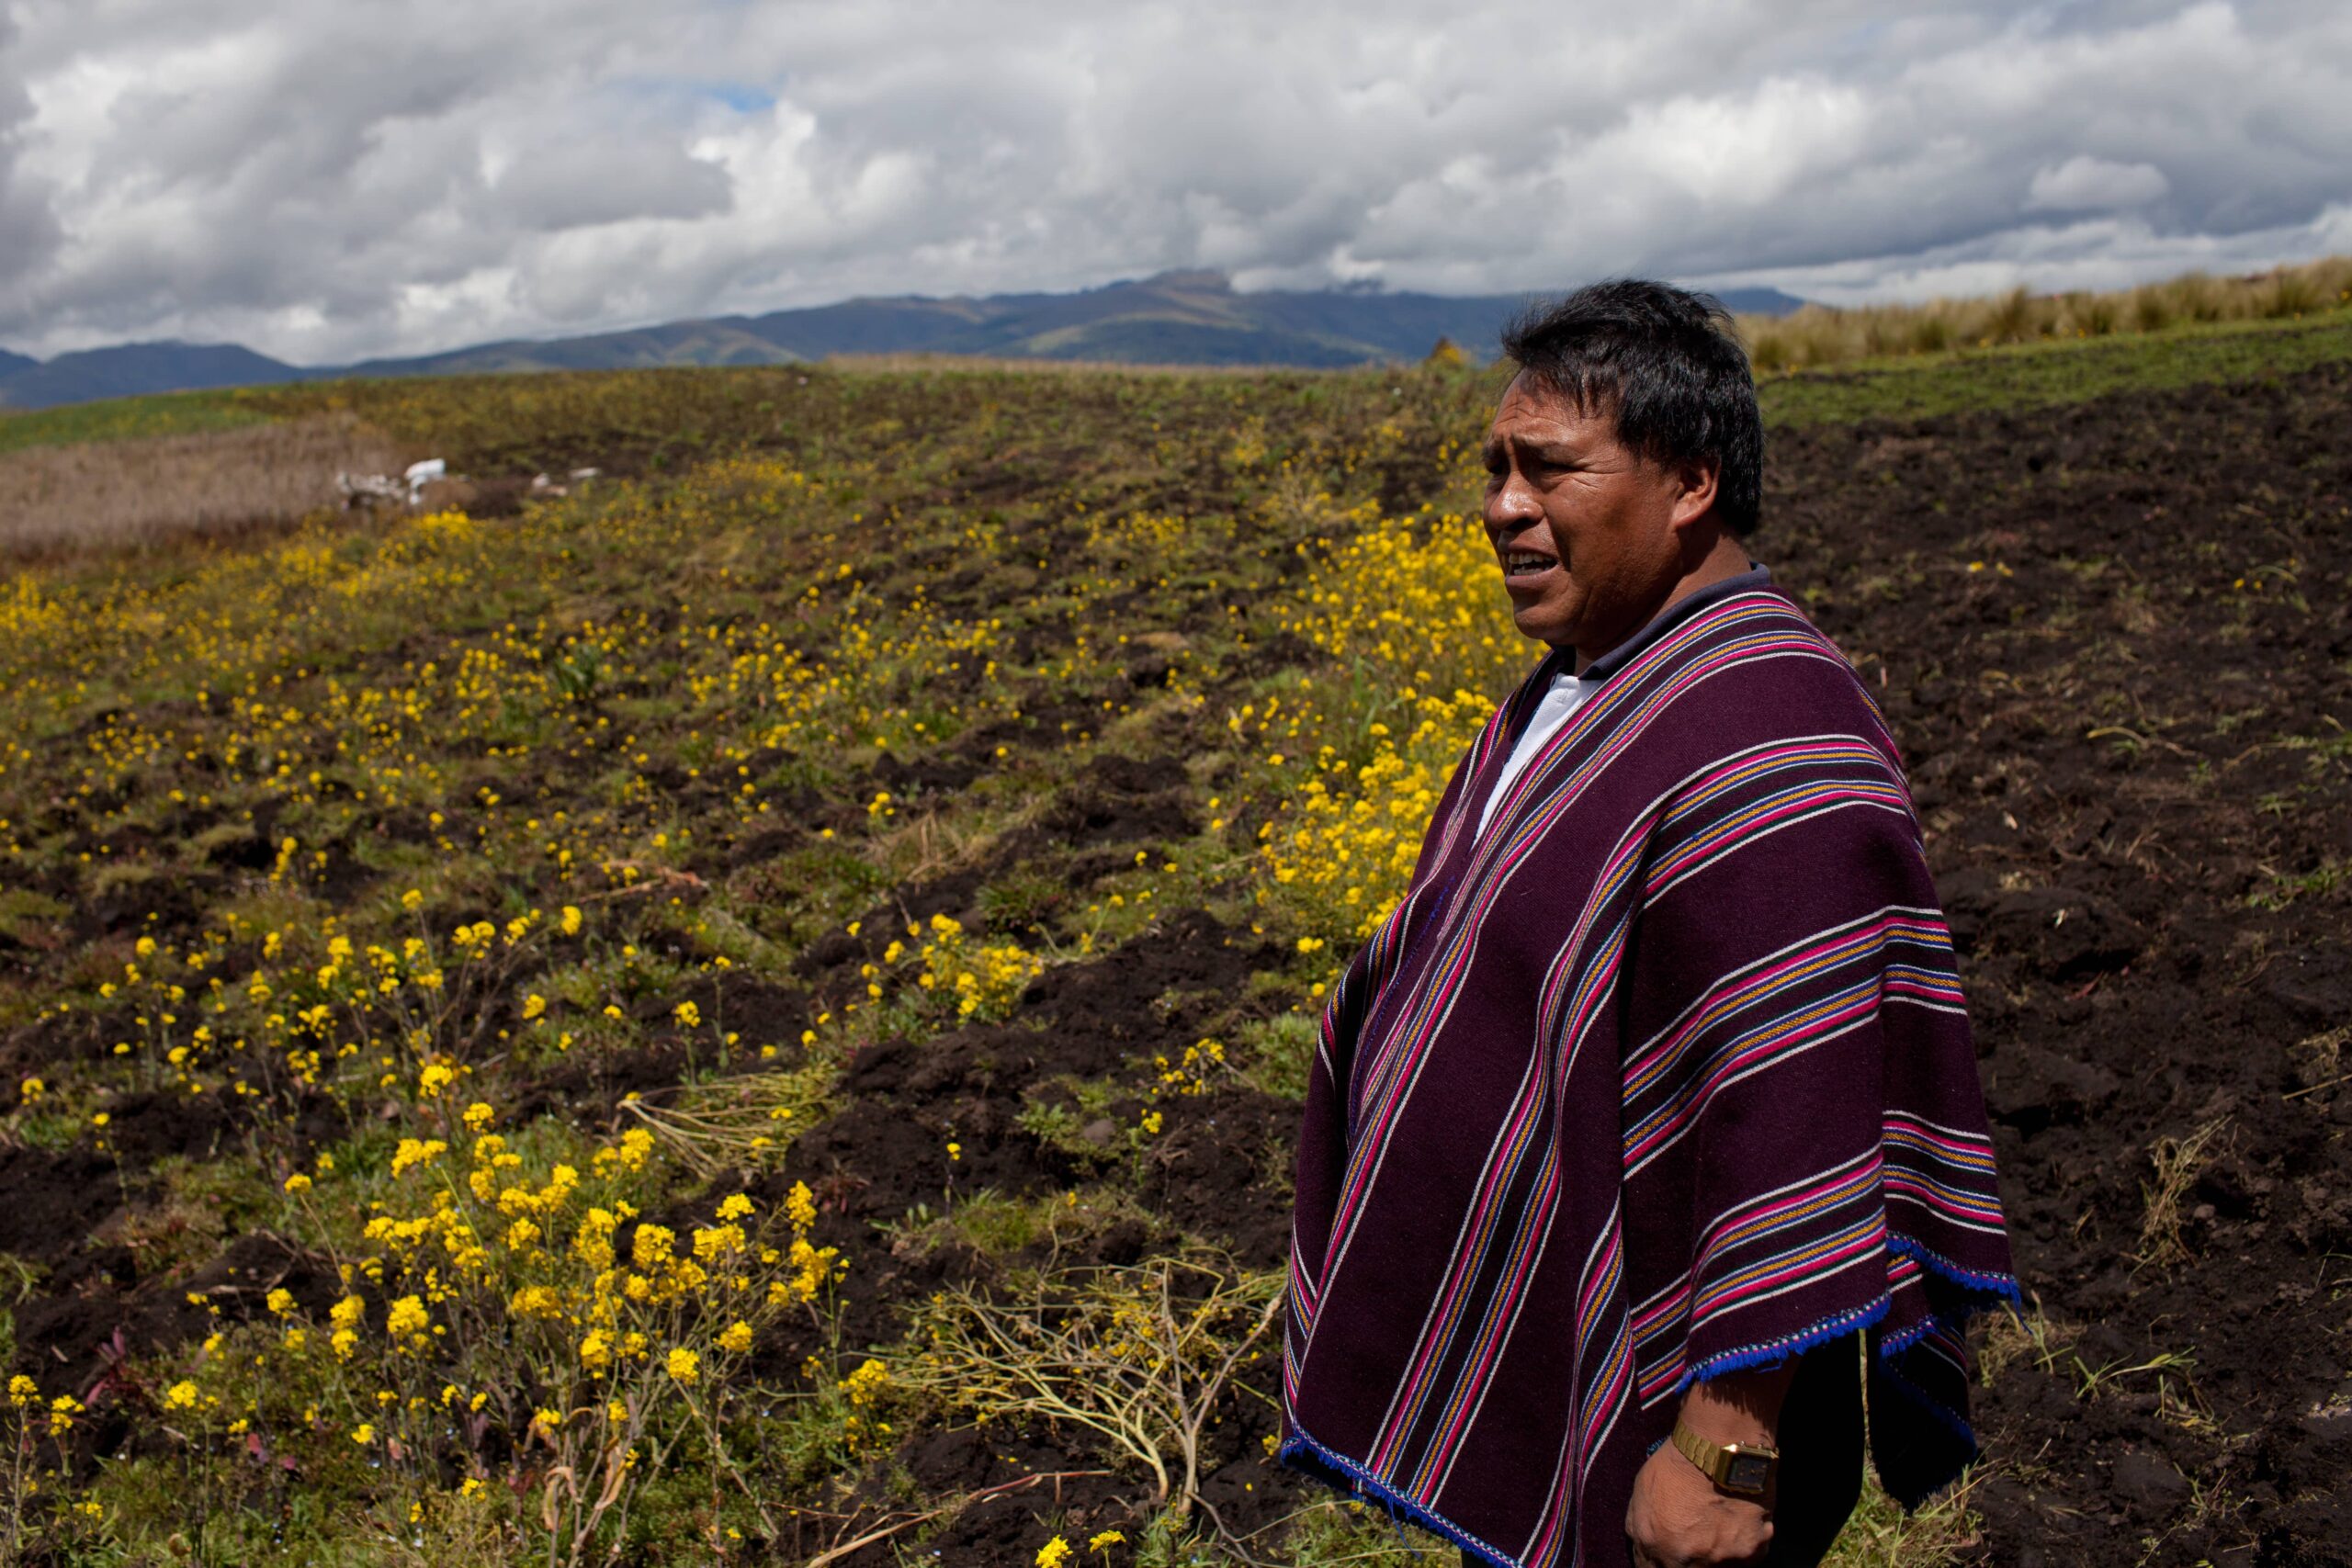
pixel 1665 621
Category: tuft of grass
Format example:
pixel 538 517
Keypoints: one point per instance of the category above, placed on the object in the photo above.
pixel 2179 1162
pixel 2012 1337
pixel 1881 1535
pixel 1139 1356
pixel 741 1123
pixel 2320 1061
pixel 1354 1535
pixel 2323 881
pixel 1279 1052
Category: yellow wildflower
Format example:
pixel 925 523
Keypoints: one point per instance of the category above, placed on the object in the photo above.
pixel 407 1318
pixel 865 1385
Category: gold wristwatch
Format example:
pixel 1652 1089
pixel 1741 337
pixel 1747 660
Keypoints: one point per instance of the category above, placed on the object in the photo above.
pixel 1743 1470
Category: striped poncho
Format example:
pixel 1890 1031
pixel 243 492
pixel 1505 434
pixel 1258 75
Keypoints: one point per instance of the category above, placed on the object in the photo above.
pixel 1664 1075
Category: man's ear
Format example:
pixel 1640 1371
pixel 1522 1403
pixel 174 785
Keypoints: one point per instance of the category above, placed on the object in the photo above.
pixel 1696 480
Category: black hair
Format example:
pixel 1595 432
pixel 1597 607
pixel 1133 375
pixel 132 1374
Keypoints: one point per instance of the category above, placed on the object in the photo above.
pixel 1667 362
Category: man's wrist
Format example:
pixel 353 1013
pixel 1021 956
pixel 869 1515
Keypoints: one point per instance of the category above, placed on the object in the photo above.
pixel 1724 1423
pixel 1738 1407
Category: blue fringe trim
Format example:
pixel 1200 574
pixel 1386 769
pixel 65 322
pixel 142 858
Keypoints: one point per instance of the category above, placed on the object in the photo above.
pixel 2002 1288
pixel 2005 1286
pixel 1773 1352
pixel 1342 1474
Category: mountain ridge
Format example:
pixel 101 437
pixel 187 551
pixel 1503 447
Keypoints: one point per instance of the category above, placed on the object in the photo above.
pixel 1182 317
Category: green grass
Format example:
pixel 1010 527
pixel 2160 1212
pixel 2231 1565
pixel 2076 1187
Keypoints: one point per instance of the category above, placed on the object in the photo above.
pixel 117 419
pixel 2070 371
pixel 1881 1535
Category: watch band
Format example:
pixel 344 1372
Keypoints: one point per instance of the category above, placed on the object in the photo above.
pixel 1743 1470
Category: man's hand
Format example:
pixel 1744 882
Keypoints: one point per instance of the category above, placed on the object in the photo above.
pixel 1678 1519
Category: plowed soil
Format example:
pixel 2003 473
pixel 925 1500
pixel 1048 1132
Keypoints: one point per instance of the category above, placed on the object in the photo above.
pixel 2127 727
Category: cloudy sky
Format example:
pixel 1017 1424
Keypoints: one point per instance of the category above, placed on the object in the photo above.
pixel 324 179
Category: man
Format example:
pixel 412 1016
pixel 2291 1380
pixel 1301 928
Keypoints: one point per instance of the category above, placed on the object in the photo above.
pixel 1656 1091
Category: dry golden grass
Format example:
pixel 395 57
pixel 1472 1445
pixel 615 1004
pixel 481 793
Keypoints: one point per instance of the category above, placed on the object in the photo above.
pixel 2178 1163
pixel 110 495
pixel 1818 335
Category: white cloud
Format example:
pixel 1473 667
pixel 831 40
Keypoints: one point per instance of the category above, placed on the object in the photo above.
pixel 324 181
pixel 2100 253
pixel 2085 184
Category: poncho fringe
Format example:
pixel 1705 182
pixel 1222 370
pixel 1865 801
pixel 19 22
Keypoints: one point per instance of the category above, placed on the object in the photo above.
pixel 1667 1074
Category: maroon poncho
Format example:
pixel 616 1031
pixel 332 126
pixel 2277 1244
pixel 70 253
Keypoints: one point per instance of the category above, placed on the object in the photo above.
pixel 1665 1075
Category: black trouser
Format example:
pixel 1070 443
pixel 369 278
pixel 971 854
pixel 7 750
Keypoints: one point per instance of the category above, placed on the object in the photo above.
pixel 1821 1456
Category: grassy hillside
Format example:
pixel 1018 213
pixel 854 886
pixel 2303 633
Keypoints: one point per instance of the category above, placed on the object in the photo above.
pixel 629 1025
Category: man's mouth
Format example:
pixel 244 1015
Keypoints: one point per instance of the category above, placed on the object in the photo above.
pixel 1524 567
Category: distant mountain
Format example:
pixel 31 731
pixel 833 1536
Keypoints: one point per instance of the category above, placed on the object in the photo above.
pixel 1186 317
pixel 1176 318
pixel 136 368
pixel 680 343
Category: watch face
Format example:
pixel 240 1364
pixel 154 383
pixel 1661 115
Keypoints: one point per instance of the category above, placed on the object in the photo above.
pixel 1749 1472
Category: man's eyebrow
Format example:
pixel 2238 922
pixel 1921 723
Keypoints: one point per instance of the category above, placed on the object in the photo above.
pixel 1555 450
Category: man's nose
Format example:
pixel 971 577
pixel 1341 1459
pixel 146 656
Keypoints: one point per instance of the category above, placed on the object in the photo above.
pixel 1511 505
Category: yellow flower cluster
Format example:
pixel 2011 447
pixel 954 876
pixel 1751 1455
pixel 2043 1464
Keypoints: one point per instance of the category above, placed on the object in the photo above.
pixel 545 1263
pixel 812 1268
pixel 985 978
pixel 862 1393
pixel 1196 1071
pixel 1408 609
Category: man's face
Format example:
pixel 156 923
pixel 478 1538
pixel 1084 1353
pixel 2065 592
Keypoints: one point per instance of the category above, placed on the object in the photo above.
pixel 1584 530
